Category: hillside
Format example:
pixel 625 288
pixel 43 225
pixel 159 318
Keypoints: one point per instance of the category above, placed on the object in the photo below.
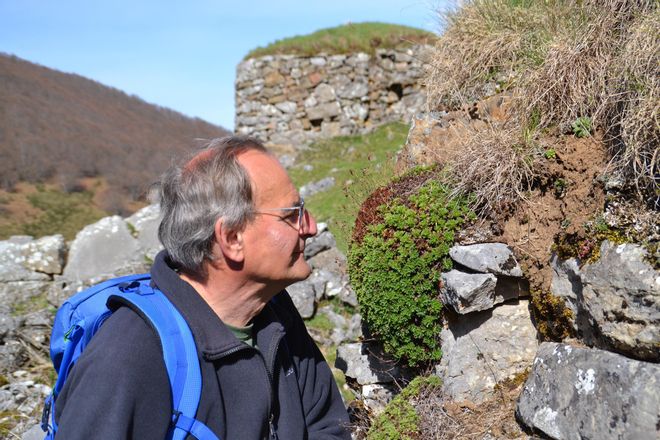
pixel 61 127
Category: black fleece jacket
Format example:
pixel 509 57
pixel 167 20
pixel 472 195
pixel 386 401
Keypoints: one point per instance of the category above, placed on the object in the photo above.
pixel 119 388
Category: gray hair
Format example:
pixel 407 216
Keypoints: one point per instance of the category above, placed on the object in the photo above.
pixel 209 186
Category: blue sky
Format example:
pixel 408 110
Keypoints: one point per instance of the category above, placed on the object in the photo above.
pixel 181 55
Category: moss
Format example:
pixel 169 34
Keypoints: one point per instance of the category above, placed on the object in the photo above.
pixel 554 321
pixel 32 304
pixel 514 382
pixel 585 245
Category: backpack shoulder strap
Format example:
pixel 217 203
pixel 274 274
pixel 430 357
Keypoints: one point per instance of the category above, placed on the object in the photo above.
pixel 179 353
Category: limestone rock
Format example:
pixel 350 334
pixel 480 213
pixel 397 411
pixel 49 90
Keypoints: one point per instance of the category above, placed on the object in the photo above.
pixel 319 243
pixel 482 349
pixel 376 396
pixel 324 111
pixel 24 259
pixel 357 362
pixel 45 254
pixel 20 293
pixel 324 93
pixel 621 296
pixel 304 297
pixel 567 284
pixel 104 247
pixel 316 187
pixel 145 223
pixel 468 292
pixel 495 258
pixel 579 393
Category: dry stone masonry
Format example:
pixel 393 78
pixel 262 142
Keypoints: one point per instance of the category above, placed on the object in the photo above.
pixel 289 100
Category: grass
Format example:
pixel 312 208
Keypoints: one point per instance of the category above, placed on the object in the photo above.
pixel 558 60
pixel 348 38
pixel 49 211
pixel 359 164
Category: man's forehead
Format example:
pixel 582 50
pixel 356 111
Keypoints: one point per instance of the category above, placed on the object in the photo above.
pixel 269 178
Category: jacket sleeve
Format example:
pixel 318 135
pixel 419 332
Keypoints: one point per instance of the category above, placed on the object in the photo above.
pixel 324 411
pixel 119 388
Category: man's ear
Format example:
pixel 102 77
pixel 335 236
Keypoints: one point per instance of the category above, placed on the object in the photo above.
pixel 229 241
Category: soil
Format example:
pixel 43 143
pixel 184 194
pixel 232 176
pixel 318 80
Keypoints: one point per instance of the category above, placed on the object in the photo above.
pixel 567 194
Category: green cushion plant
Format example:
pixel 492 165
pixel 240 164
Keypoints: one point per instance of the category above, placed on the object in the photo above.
pixel 395 268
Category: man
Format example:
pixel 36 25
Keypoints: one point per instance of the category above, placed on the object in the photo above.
pixel 234 231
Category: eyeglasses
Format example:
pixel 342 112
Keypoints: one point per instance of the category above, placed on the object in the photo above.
pixel 297 218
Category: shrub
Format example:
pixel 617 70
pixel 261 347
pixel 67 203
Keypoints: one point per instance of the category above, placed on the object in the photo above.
pixel 399 420
pixel 396 266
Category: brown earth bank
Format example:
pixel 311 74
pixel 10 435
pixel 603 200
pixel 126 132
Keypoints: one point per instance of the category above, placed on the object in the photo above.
pixel 567 194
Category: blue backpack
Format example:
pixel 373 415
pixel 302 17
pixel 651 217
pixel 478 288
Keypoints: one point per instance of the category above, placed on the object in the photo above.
pixel 81 316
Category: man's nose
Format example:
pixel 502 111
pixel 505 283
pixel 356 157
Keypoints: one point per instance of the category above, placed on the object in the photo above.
pixel 309 225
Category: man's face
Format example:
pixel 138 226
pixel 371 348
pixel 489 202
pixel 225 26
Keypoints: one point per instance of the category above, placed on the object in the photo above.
pixel 273 243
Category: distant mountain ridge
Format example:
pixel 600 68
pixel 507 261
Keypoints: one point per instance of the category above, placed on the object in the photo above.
pixel 55 124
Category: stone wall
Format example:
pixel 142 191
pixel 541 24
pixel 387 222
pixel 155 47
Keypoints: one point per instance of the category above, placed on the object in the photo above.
pixel 289 100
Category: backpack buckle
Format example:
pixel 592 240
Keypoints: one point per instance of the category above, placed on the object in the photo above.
pixel 125 287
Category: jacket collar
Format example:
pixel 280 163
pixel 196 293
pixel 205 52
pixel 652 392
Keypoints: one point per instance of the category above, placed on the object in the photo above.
pixel 214 340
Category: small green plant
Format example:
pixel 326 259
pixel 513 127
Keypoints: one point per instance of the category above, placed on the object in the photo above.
pixel 582 127
pixel 395 268
pixel 132 229
pixel 560 185
pixel 399 420
pixel 550 154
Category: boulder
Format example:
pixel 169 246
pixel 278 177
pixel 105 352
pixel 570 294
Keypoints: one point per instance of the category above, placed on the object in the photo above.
pixel 105 247
pixel 45 254
pixel 580 393
pixel 495 258
pixel 24 259
pixel 358 362
pixel 621 297
pixel 468 292
pixel 482 349
pixel 145 223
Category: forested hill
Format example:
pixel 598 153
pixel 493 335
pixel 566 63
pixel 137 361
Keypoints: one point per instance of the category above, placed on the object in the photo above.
pixel 60 125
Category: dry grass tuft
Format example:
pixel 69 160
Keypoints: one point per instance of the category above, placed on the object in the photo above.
pixel 496 165
pixel 635 127
pixel 443 419
pixel 559 60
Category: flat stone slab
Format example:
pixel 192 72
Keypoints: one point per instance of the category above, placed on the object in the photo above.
pixel 582 393
pixel 495 258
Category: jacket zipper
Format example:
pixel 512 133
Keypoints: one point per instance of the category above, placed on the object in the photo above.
pixel 273 351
